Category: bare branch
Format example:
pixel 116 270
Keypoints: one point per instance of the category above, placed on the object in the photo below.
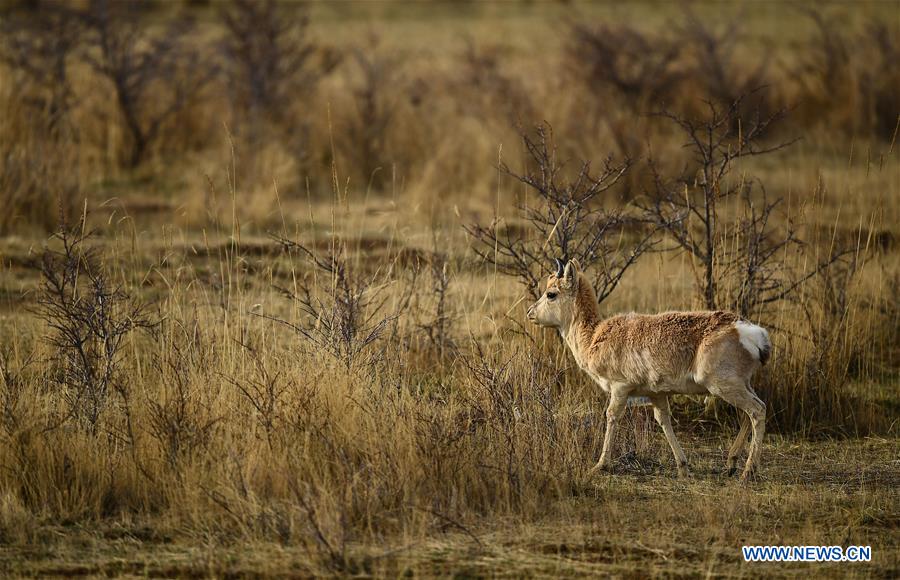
pixel 569 221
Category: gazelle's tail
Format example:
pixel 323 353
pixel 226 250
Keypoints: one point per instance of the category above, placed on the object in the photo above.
pixel 755 339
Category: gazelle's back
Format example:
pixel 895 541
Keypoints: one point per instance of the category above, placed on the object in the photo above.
pixel 671 350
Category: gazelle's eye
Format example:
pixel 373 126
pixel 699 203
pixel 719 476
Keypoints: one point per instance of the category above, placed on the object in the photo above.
pixel 551 295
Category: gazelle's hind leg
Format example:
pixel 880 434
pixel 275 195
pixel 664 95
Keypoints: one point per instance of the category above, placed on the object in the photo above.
pixel 663 416
pixel 742 397
pixel 739 442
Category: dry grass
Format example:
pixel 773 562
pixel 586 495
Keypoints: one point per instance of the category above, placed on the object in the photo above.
pixel 404 420
pixel 626 524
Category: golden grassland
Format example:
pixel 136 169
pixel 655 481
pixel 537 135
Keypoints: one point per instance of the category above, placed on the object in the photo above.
pixel 457 442
pixel 636 523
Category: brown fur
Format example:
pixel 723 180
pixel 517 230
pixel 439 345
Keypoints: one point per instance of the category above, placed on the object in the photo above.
pixel 656 355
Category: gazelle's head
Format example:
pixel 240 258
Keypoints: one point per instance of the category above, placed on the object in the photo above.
pixel 556 306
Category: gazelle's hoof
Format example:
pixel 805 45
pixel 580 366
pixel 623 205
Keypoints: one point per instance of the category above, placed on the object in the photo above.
pixel 748 475
pixel 599 468
pixel 684 472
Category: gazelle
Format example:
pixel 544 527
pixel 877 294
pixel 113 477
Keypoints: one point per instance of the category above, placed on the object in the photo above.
pixel 657 355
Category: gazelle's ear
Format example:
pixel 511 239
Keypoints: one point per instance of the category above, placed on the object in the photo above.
pixel 570 275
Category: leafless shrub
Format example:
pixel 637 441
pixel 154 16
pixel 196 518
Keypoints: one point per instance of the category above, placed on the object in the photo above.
pixel 265 390
pixel 689 210
pixel 762 279
pixel 852 79
pixel 829 57
pixel 18 428
pixel 744 256
pixel 438 321
pixel 723 75
pixel 38 176
pixel 515 408
pixel 154 76
pixel 272 57
pixel 39 46
pixel 566 223
pixel 827 317
pixel 499 402
pixel 627 70
pixel 486 87
pixel 13 384
pixel 272 61
pixel 89 319
pixel 343 317
pixel 376 102
pixel 440 436
pixel 826 70
pixel 640 67
pixel 644 69
pixel 827 306
pixel 811 391
pixel 39 181
pixel 884 82
pixel 179 417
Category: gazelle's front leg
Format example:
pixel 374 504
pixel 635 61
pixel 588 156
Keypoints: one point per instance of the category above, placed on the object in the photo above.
pixel 614 411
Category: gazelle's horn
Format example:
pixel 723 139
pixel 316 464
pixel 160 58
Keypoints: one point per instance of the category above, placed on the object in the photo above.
pixel 560 267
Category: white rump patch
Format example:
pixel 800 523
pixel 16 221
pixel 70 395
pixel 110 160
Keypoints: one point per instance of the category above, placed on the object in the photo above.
pixel 753 338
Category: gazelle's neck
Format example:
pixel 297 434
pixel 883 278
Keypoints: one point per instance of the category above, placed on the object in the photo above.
pixel 579 334
pixel 578 337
